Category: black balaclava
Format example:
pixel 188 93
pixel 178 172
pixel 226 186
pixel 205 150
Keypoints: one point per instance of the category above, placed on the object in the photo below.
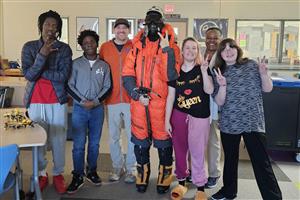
pixel 154 24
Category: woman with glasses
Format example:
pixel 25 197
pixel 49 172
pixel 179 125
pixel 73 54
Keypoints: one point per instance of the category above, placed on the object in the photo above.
pixel 239 83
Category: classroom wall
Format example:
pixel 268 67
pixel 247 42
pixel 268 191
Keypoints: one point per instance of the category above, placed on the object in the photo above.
pixel 18 18
pixel 1 27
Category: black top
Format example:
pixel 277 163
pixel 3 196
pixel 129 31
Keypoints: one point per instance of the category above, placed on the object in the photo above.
pixel 119 46
pixel 190 97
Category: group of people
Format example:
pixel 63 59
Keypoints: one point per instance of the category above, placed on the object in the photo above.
pixel 166 96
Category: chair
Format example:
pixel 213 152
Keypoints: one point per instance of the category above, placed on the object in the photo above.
pixel 3 91
pixel 6 94
pixel 8 158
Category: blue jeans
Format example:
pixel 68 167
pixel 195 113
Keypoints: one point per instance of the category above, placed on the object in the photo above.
pixel 86 123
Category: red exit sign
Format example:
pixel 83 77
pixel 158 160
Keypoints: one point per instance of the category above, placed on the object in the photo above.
pixel 169 8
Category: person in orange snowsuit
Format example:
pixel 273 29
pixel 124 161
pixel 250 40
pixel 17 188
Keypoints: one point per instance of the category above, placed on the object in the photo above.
pixel 151 63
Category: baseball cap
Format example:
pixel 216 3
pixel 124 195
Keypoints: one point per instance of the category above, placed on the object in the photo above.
pixel 122 21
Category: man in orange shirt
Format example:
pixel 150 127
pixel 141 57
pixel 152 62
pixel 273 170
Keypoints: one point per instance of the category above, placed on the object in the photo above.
pixel 114 53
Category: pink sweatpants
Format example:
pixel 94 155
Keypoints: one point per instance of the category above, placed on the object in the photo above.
pixel 190 134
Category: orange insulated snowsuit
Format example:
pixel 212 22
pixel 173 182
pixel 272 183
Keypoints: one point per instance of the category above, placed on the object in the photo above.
pixel 152 67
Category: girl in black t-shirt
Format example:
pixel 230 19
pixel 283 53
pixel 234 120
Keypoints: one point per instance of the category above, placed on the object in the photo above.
pixel 187 118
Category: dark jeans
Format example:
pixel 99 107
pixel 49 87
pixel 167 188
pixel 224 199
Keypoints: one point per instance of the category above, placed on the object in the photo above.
pixel 86 123
pixel 262 167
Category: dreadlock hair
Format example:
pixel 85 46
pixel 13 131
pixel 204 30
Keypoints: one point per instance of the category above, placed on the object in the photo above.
pixel 85 33
pixel 50 14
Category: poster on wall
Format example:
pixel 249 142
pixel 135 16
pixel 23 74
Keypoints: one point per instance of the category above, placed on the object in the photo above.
pixel 201 26
pixel 140 24
pixel 110 28
pixel 180 27
pixel 65 30
pixel 85 23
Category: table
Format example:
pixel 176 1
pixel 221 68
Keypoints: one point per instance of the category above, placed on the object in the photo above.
pixel 18 83
pixel 12 81
pixel 25 137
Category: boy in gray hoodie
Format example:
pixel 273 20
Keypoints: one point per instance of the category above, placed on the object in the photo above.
pixel 89 85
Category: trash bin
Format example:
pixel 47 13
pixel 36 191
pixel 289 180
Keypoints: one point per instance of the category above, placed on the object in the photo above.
pixel 282 115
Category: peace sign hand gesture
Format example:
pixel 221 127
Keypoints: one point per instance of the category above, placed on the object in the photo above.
pixel 262 66
pixel 221 80
pixel 204 65
pixel 47 47
pixel 164 41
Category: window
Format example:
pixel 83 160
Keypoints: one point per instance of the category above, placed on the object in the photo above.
pixel 291 43
pixel 278 40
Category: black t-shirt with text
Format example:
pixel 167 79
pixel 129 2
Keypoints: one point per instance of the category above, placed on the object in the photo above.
pixel 190 97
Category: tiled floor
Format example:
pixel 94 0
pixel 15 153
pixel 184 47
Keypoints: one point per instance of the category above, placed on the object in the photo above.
pixel 247 187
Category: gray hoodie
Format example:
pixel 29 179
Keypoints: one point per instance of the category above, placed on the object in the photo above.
pixel 89 83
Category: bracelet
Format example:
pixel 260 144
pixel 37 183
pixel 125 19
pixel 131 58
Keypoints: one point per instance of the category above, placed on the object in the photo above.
pixel 222 85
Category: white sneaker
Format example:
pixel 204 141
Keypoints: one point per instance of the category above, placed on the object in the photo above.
pixel 116 174
pixel 130 178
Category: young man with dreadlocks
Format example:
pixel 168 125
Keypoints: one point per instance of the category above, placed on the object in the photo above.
pixel 46 65
pixel 152 62
pixel 89 85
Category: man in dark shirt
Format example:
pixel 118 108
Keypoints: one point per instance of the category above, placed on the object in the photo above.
pixel 46 65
